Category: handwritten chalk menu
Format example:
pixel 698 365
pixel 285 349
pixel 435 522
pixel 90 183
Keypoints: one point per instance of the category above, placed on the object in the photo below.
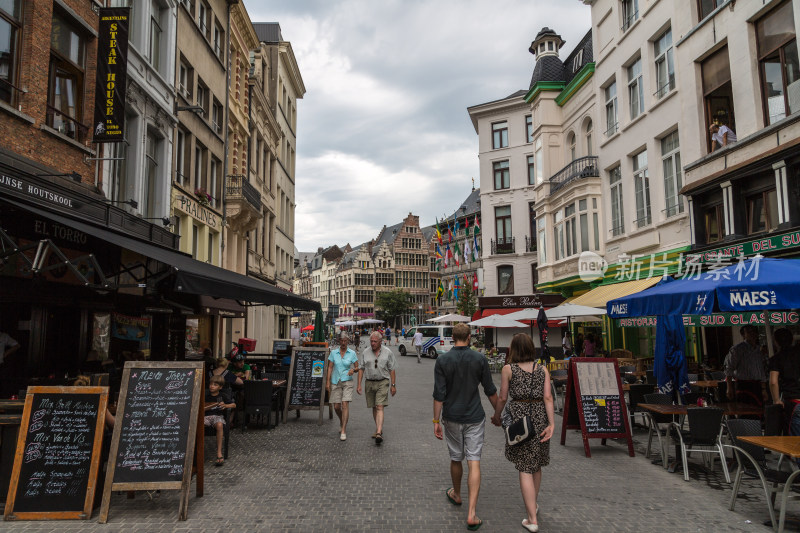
pixel 595 402
pixel 58 453
pixel 155 432
pixel 307 380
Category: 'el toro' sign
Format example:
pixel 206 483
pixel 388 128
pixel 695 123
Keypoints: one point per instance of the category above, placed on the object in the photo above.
pixel 719 320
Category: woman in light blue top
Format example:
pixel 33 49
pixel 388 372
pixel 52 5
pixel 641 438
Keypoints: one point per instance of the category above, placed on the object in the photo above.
pixel 342 364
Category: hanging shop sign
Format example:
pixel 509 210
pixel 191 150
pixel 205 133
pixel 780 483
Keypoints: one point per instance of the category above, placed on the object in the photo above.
pixel 530 300
pixel 112 66
pixel 732 253
pixel 720 320
pixel 131 328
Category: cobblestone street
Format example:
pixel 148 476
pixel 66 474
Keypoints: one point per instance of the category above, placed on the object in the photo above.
pixel 301 477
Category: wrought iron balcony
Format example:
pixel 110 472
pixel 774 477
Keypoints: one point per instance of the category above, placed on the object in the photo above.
pixel 583 167
pixel 530 244
pixel 503 246
pixel 237 187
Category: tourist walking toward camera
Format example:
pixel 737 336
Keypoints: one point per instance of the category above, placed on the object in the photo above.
pixel 377 365
pixel 525 389
pixel 457 401
pixel 339 381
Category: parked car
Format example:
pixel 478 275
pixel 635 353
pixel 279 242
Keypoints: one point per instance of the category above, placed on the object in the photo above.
pixel 436 340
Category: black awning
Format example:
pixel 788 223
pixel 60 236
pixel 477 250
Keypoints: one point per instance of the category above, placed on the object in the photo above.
pixel 189 275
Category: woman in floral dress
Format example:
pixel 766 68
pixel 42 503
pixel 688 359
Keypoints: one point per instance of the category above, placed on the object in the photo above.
pixel 526 387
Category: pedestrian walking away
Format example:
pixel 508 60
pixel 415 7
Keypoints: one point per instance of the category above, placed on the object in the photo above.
pixel 376 365
pixel 339 381
pixel 458 415
pixel 418 345
pixel 525 391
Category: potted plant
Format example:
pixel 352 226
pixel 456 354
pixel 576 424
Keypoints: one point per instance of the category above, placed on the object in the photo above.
pixel 202 196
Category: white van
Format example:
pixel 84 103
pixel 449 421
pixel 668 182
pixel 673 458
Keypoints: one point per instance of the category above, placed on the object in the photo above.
pixel 436 340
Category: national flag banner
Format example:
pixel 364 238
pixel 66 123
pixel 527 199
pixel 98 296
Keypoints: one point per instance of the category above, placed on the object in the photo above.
pixel 475 282
pixel 457 226
pixel 438 233
pixel 467 251
pixel 466 227
pixel 438 252
pixel 447 255
pixel 475 248
pixel 457 254
pixel 477 226
pixel 440 290
pixel 449 233
pixel 457 286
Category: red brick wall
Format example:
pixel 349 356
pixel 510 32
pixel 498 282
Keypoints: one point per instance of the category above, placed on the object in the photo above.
pixel 28 139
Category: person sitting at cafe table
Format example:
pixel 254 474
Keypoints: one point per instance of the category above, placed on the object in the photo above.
pixel 784 378
pixel 230 380
pixel 241 369
pixel 746 362
pixel 217 400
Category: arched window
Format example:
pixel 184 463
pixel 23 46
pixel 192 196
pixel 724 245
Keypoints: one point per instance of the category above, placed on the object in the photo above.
pixel 571 146
pixel 588 135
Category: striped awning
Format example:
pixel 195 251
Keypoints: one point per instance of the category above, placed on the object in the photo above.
pixel 599 296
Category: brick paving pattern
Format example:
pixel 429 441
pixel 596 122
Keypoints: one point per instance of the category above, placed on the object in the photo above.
pixel 300 477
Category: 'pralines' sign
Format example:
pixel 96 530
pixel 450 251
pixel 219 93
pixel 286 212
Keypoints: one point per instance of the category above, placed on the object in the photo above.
pixel 197 211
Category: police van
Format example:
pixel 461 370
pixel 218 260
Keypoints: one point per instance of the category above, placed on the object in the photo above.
pixel 436 340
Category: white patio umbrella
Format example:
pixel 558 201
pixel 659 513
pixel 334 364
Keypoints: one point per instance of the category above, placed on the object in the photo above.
pixel 497 321
pixel 346 323
pixel 451 317
pixel 560 311
pixel 370 321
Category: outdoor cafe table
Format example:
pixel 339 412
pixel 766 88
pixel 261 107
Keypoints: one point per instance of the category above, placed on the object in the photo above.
pixel 729 409
pixel 789 446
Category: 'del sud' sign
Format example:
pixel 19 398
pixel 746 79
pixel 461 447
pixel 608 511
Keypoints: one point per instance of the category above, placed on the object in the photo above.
pixel 112 66
pixel 720 320
pixel 732 253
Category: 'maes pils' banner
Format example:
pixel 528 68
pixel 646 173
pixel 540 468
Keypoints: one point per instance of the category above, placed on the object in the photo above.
pixel 112 65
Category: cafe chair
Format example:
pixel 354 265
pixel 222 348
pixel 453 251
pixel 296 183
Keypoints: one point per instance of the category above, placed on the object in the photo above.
pixel 753 463
pixel 258 400
pixel 718 376
pixel 636 396
pixel 658 422
pixel 558 383
pixel 626 372
pixel 703 436
pixel 277 393
pixel 693 377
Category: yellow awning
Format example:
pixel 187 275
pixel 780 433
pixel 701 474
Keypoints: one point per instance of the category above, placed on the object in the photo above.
pixel 599 296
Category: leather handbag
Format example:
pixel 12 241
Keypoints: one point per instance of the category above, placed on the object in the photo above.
pixel 519 431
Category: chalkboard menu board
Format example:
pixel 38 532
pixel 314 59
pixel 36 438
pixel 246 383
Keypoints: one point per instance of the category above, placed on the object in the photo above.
pixel 281 346
pixel 155 431
pixel 58 453
pixel 595 403
pixel 307 380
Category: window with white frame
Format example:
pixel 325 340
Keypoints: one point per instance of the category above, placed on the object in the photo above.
pixel 570 234
pixel 671 161
pixel 156 31
pixel 641 185
pixel 617 216
pixel 539 155
pixel 584 224
pixel 630 12
pixel 558 234
pixel 577 61
pixel 612 122
pixel 502 175
pixel 150 185
pixel 635 89
pixel 588 134
pixel 665 69
pixel 500 135
pixel 219 39
pixel 531 171
pixel 185 80
pixel 529 128
pixel 203 15
pixel 10 34
pixel 541 240
pixel 571 146
pixel 595 224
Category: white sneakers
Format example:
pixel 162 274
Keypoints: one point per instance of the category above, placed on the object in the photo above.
pixel 342 437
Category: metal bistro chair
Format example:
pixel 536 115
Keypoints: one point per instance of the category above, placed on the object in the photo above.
pixel 656 421
pixel 558 373
pixel 753 464
pixel 277 393
pixel 704 436
pixel 626 373
pixel 636 396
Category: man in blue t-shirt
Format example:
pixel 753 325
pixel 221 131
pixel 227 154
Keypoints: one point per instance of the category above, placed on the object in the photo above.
pixel 457 400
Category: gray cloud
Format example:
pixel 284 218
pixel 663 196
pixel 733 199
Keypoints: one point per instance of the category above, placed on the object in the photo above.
pixel 383 128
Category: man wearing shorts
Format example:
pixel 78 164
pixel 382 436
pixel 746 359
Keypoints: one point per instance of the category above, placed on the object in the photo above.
pixel 342 365
pixel 377 365
pixel 457 401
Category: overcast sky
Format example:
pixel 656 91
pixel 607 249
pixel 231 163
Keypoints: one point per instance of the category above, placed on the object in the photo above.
pixel 383 128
